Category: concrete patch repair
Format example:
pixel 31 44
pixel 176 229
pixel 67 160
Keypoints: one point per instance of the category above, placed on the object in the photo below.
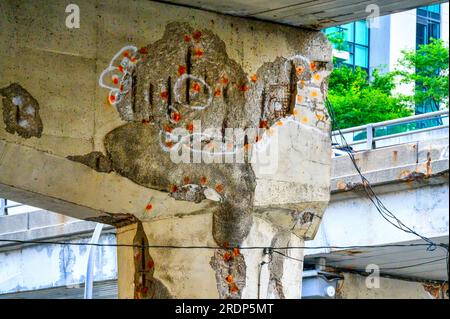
pixel 21 112
pixel 169 91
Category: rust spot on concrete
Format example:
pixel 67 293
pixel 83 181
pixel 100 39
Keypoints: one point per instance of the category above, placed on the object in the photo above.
pixel 230 271
pixel 145 285
pixel 394 156
pixel 404 174
pixel 429 169
pixel 341 185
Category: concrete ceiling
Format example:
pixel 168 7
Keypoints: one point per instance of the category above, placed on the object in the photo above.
pixel 314 14
pixel 403 262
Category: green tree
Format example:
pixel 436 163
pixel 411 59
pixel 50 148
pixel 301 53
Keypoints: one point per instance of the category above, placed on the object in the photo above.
pixel 356 101
pixel 428 69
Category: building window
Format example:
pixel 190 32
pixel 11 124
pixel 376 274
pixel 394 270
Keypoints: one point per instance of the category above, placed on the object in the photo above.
pixel 355 40
pixel 428 24
pixel 428 27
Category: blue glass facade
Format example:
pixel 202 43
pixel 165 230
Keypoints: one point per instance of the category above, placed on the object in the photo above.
pixel 428 27
pixel 356 42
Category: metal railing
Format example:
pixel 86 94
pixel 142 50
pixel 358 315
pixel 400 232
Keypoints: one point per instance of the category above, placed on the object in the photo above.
pixel 4 206
pixel 370 129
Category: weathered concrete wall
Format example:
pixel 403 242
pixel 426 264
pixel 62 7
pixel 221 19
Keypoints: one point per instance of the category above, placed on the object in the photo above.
pixel 45 266
pixel 109 95
pixel 354 287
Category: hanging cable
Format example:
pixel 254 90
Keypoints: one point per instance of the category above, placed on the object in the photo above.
pixel 385 213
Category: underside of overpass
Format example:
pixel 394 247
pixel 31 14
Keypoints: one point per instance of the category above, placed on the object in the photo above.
pixel 90 116
pixel 311 14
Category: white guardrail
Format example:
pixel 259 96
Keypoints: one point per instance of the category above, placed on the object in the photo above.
pixel 371 137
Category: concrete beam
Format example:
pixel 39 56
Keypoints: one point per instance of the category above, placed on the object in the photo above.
pixel 54 183
pixel 394 168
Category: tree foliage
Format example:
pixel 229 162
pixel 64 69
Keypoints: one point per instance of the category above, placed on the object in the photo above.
pixel 357 101
pixel 427 68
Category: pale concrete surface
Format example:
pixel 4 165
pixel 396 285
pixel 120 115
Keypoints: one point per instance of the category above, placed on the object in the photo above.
pixel 310 14
pixel 354 287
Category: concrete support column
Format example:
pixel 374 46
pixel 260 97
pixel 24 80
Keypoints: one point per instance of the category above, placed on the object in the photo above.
pixel 206 273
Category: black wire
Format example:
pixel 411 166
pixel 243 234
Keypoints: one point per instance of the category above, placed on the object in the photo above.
pixel 207 247
pixel 287 256
pixel 414 265
pixel 382 210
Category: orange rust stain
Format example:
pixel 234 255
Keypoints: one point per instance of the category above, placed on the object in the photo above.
pixel 279 123
pixel 143 50
pixel 224 80
pixel 404 174
pixel 196 87
pixel 203 180
pixel 227 256
pixel 236 251
pixel 254 78
pixel 313 66
pixel 320 117
pixel 173 188
pixel 305 119
pixel 299 70
pixel 187 38
pixel 148 207
pixel 111 99
pixel 317 77
pixel 121 68
pixel 234 288
pixel 190 127
pixel 226 244
pixel 263 124
pixel 198 52
pixel 394 156
pixel 169 144
pixel 197 35
pixel 164 95
pixel 176 116
pixel 217 92
pixel 341 185
pixel 150 264
pixel 167 129
pixel 126 54
pixel 299 99
pixel 181 69
pixel 243 88
pixel 219 188
pixel 229 279
pixel 314 93
pixel 186 180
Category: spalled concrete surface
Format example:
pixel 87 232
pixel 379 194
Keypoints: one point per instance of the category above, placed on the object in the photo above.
pixel 103 154
pixel 21 112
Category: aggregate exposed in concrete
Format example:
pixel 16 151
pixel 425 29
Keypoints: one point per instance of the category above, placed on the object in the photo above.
pixel 230 269
pixel 21 112
pixel 145 285
pixel 95 160
pixel 184 77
